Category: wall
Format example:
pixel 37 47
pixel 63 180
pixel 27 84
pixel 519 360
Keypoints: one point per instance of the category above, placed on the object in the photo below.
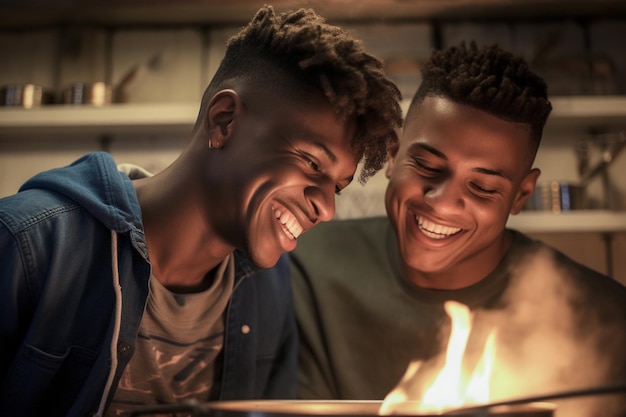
pixel 176 62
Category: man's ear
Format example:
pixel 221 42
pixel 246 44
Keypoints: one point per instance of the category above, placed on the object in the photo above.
pixel 221 112
pixel 526 189
pixel 393 151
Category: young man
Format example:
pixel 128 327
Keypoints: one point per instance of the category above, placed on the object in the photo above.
pixel 369 293
pixel 117 292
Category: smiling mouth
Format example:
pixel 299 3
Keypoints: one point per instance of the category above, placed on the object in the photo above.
pixel 290 224
pixel 434 230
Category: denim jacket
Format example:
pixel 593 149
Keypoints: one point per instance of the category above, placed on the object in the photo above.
pixel 73 287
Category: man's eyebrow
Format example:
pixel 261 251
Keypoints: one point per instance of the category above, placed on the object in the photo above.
pixel 327 151
pixel 441 155
pixel 492 172
pixel 430 149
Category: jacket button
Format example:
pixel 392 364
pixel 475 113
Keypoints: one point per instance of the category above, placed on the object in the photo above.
pixel 245 329
pixel 124 349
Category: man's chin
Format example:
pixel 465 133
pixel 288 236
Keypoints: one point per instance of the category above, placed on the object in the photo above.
pixel 265 261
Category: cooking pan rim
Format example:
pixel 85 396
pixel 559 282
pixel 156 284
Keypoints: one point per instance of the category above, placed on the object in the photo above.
pixel 326 408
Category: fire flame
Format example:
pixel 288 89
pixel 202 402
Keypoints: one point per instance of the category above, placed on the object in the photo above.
pixel 449 389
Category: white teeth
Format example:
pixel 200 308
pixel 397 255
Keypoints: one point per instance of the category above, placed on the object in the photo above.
pixel 292 228
pixel 434 230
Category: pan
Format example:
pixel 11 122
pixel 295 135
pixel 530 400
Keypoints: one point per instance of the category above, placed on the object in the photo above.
pixel 96 93
pixel 358 408
pixel 533 406
pixel 100 93
pixel 332 408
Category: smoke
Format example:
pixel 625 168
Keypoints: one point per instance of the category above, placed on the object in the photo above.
pixel 558 327
pixel 552 338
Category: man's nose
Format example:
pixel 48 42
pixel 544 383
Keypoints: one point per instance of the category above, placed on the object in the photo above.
pixel 322 197
pixel 445 196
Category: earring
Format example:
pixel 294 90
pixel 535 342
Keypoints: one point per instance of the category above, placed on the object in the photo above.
pixel 210 144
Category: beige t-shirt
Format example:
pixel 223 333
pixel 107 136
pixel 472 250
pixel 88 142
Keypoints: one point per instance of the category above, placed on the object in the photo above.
pixel 179 345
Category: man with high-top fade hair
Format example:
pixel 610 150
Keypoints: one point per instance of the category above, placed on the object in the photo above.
pixel 120 289
pixel 370 293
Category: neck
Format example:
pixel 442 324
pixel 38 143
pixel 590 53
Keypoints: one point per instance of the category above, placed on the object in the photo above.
pixel 182 244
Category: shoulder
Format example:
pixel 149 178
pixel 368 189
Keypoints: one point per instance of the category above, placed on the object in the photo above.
pixel 340 241
pixel 533 257
pixel 530 251
pixel 27 208
pixel 339 233
pixel 349 249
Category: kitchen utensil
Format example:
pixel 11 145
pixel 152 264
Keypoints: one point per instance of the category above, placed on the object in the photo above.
pixel 25 95
pixel 533 406
pixel 97 93
pixel 100 93
pixel 608 157
pixel 583 392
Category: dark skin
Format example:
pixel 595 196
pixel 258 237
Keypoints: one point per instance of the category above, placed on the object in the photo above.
pixel 270 174
pixel 457 175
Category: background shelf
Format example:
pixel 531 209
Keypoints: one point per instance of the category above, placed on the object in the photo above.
pixel 571 112
pixel 115 118
pixel 604 221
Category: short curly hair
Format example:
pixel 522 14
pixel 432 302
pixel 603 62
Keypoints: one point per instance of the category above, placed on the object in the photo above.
pixel 490 79
pixel 325 58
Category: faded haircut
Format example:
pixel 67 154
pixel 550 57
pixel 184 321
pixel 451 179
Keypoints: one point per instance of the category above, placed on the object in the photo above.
pixel 490 79
pixel 323 58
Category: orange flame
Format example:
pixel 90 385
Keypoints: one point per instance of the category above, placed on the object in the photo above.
pixel 449 388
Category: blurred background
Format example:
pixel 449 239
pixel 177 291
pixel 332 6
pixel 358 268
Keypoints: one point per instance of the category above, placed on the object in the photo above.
pixel 126 77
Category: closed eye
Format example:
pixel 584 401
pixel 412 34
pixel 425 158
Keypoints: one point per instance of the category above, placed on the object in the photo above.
pixel 316 167
pixel 313 165
pixel 421 165
pixel 483 189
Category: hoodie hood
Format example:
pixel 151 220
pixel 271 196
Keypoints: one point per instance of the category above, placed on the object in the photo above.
pixel 95 183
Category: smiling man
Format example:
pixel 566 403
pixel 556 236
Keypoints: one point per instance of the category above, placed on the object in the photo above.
pixel 474 169
pixel 370 293
pixel 119 289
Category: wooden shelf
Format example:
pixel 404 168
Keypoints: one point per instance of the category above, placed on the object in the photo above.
pixel 570 112
pixel 587 112
pixel 113 118
pixel 571 221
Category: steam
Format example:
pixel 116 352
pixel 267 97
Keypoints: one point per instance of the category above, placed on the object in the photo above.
pixel 555 331
pixel 549 340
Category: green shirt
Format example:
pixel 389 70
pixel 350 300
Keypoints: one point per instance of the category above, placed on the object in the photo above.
pixel 361 323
